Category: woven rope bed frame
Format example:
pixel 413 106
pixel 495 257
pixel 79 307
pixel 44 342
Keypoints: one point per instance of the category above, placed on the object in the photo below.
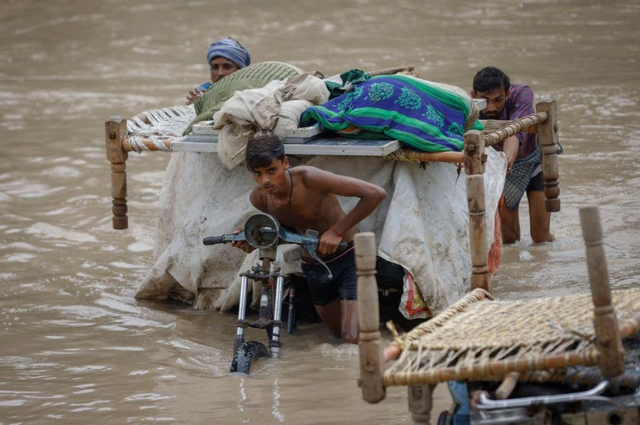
pixel 479 337
pixel 575 338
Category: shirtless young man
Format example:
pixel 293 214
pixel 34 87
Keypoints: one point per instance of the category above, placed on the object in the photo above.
pixel 306 197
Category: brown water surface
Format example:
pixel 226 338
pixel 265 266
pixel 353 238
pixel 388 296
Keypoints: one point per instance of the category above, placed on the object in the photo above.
pixel 75 347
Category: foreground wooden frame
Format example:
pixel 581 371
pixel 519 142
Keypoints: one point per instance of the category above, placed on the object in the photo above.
pixel 610 353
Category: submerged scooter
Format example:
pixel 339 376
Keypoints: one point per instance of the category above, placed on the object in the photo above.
pixel 583 396
pixel 263 232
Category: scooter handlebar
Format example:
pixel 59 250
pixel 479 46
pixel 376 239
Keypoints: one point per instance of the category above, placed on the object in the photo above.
pixel 213 240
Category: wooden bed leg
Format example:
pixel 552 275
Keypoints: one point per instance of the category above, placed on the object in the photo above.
pixel 507 386
pixel 421 403
pixel 605 322
pixel 370 344
pixel 474 168
pixel 116 131
pixel 548 139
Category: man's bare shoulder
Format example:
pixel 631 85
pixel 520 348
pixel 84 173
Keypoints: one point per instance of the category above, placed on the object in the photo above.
pixel 258 199
pixel 309 173
pixel 303 170
pixel 316 179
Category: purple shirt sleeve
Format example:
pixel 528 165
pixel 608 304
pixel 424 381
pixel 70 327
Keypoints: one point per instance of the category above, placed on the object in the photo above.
pixel 520 104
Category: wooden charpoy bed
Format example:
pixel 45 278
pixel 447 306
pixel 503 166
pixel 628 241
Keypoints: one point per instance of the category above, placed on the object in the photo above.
pixel 482 339
pixel 546 340
pixel 119 142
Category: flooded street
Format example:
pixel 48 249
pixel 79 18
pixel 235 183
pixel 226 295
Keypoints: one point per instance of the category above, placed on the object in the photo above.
pixel 76 347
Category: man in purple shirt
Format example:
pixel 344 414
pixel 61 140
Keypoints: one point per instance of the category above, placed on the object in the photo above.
pixel 506 101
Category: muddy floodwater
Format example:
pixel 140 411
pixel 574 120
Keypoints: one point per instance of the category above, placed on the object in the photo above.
pixel 76 347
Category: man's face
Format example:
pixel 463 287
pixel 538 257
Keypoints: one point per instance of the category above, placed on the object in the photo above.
pixel 496 100
pixel 221 67
pixel 272 177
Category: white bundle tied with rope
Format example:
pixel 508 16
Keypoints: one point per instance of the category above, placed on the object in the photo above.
pixel 272 109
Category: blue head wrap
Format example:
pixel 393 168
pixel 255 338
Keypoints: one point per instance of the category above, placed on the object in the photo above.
pixel 229 49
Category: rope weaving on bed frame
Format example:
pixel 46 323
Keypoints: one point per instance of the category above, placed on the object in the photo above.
pixel 476 340
pixel 162 127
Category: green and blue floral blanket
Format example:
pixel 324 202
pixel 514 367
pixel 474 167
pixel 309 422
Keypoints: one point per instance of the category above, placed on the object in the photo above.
pixel 428 116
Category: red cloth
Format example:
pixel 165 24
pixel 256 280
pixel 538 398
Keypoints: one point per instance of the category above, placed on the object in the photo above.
pixel 495 251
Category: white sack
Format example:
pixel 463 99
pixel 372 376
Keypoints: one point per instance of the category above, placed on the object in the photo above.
pixel 257 111
pixel 289 117
pixel 421 225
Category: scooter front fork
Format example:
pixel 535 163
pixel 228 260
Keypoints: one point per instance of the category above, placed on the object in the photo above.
pixel 242 312
pixel 275 344
pixel 291 322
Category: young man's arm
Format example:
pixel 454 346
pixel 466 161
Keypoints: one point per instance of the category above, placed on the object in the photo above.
pixel 510 148
pixel 370 197
pixel 257 200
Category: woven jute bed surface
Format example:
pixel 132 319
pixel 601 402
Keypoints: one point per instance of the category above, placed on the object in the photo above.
pixel 479 336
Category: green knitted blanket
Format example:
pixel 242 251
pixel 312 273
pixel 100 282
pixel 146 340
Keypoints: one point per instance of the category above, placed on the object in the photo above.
pixel 252 77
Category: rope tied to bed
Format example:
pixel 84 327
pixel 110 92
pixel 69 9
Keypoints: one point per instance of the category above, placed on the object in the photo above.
pixel 156 129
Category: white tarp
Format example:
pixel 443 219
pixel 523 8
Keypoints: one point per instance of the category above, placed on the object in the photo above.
pixel 422 225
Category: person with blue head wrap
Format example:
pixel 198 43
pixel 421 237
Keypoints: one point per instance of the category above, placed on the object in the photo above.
pixel 224 57
pixel 229 49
